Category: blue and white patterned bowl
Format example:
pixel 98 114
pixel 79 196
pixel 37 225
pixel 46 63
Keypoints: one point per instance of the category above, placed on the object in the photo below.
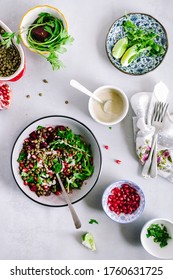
pixel 144 63
pixel 123 218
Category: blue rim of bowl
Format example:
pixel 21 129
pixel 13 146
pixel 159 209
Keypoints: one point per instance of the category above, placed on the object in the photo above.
pixel 62 116
pixel 114 185
pixel 123 71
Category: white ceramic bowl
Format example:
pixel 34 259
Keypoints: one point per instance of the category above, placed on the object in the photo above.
pixel 122 217
pixel 31 15
pixel 121 105
pixel 20 71
pixel 154 248
pixel 78 128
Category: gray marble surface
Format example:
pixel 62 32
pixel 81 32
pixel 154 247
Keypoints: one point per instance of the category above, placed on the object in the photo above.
pixel 31 231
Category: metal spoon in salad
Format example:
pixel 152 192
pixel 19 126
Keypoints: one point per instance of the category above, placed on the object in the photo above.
pixel 72 210
pixel 75 217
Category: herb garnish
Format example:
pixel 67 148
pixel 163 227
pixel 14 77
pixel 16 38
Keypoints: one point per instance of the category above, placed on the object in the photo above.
pixel 160 234
pixel 93 221
pixel 144 39
pixel 7 37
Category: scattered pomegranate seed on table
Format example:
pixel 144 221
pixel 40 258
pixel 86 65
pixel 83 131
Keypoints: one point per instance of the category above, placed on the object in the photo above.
pixel 118 161
pixel 106 147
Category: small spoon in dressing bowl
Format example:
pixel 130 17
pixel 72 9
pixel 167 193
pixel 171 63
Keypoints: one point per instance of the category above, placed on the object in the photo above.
pixel 106 105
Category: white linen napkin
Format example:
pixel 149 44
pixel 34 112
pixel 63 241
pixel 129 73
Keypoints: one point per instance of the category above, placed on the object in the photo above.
pixel 143 104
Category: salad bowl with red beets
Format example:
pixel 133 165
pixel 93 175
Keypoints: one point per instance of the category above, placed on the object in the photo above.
pixel 56 145
pixel 123 201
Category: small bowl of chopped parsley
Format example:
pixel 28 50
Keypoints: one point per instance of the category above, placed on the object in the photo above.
pixel 44 30
pixel 157 238
pixel 136 43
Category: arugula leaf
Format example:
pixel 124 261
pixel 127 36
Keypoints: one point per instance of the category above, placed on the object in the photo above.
pixel 93 221
pixel 21 157
pixel 39 180
pixel 39 127
pixel 30 179
pixel 57 166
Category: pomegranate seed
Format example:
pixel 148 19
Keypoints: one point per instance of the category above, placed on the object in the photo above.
pixel 57 192
pixel 118 161
pixel 25 170
pixel 111 208
pixel 33 188
pixel 34 156
pixel 106 147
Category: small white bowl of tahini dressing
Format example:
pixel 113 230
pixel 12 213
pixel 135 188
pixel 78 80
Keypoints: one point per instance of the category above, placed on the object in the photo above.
pixel 118 107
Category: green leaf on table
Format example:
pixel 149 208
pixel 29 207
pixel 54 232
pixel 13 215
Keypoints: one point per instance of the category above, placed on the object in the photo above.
pixel 93 221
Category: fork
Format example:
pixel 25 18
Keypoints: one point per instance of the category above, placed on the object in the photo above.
pixel 150 165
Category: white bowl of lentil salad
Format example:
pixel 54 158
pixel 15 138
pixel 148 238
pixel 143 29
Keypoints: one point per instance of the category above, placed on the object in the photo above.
pixel 56 144
pixel 12 59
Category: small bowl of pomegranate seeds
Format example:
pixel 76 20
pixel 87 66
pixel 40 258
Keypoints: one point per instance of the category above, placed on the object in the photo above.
pixel 123 201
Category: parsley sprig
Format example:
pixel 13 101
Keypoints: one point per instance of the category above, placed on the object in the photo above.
pixel 7 39
pixel 159 233
pixel 144 39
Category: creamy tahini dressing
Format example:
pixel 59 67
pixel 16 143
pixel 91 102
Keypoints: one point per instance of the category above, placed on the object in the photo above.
pixel 112 110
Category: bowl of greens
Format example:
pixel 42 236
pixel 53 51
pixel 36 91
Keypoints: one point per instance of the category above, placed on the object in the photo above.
pixel 56 145
pixel 44 30
pixel 136 43
pixel 157 238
